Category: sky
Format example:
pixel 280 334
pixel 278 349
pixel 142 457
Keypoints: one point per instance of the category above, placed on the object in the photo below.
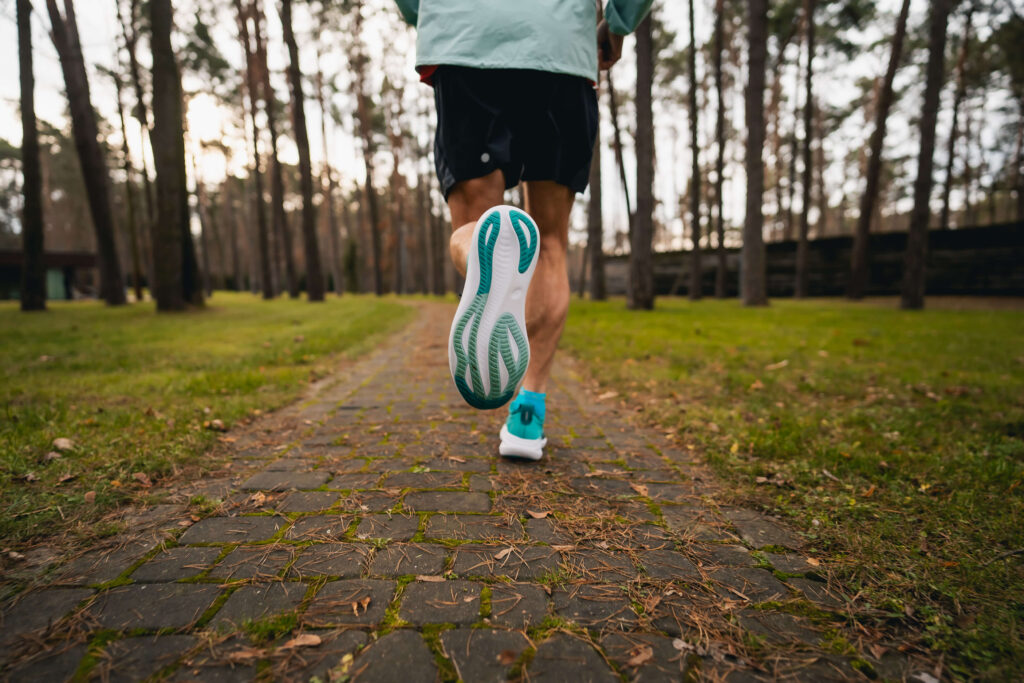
pixel 388 39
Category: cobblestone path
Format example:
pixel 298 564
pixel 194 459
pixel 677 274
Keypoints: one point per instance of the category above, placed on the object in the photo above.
pixel 371 533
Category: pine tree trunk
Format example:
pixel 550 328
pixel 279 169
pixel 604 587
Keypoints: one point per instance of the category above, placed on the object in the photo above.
pixel 696 274
pixel 282 232
pixel 91 158
pixel 620 161
pixel 33 271
pixel 859 274
pixel 129 192
pixel 169 156
pixel 363 112
pixel 130 32
pixel 595 228
pixel 800 288
pixel 252 88
pixel 958 99
pixel 915 258
pixel 753 260
pixel 1018 162
pixel 314 273
pixel 328 188
pixel 641 265
pixel 721 268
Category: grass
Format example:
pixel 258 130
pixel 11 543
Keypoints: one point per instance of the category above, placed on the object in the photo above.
pixel 138 392
pixel 893 440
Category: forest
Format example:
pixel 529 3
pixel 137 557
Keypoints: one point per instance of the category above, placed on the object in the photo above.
pixel 286 147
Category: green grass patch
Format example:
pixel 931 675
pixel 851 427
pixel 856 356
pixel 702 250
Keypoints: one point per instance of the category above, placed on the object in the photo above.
pixel 893 440
pixel 136 392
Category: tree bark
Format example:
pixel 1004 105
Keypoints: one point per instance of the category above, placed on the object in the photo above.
pixel 641 271
pixel 280 219
pixel 954 133
pixel 328 188
pixel 696 275
pixel 363 114
pixel 130 32
pixel 720 270
pixel 613 109
pixel 859 258
pixel 129 192
pixel 90 152
pixel 170 288
pixel 252 87
pixel 753 290
pixel 314 273
pixel 915 258
pixel 595 231
pixel 33 271
pixel 800 289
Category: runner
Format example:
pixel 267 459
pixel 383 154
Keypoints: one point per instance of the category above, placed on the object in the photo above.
pixel 514 90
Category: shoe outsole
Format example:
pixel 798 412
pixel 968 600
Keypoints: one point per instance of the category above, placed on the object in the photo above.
pixel 513 446
pixel 502 258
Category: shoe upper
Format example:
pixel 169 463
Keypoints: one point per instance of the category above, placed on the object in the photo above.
pixel 526 420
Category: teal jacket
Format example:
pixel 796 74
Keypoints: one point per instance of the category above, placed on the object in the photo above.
pixel 558 36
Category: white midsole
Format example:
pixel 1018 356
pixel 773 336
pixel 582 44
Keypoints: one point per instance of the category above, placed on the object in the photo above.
pixel 518 447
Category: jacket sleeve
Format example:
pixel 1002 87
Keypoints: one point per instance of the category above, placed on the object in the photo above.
pixel 410 10
pixel 623 16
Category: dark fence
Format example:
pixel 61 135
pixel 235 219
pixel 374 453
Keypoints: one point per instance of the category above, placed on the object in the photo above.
pixel 986 261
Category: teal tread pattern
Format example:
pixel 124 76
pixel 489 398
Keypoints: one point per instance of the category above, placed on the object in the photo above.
pixel 506 330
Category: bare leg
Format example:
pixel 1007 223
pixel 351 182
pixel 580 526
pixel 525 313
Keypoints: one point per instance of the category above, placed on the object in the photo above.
pixel 547 303
pixel 467 202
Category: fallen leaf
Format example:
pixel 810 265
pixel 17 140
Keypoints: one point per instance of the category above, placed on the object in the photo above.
pixel 502 554
pixel 51 456
pixel 735 448
pixel 216 426
pixel 142 478
pixel 457 458
pixel 245 654
pixel 15 555
pixel 639 488
pixel 304 640
pixel 757 385
pixel 90 497
pixel 870 492
pixel 507 657
pixel 538 515
pixel 813 562
pixel 66 477
pixel 430 579
pixel 29 477
pixel 607 395
pixel 777 366
pixel 640 655
pixel 63 444
pixel 563 548
pixel 681 645
pixel 258 498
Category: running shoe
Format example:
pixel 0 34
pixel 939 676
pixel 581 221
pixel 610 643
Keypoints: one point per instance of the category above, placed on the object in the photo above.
pixel 488 351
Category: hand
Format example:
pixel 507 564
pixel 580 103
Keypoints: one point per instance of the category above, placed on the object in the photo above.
pixel 609 46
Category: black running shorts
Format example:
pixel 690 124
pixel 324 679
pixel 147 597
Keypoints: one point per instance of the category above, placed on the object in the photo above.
pixel 533 125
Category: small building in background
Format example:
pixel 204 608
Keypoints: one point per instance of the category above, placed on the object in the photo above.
pixel 69 274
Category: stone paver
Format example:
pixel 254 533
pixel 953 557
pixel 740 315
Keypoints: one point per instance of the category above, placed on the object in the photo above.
pixel 232 530
pixel 174 564
pixel 445 602
pixel 259 601
pixel 377 514
pixel 483 655
pixel 152 606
